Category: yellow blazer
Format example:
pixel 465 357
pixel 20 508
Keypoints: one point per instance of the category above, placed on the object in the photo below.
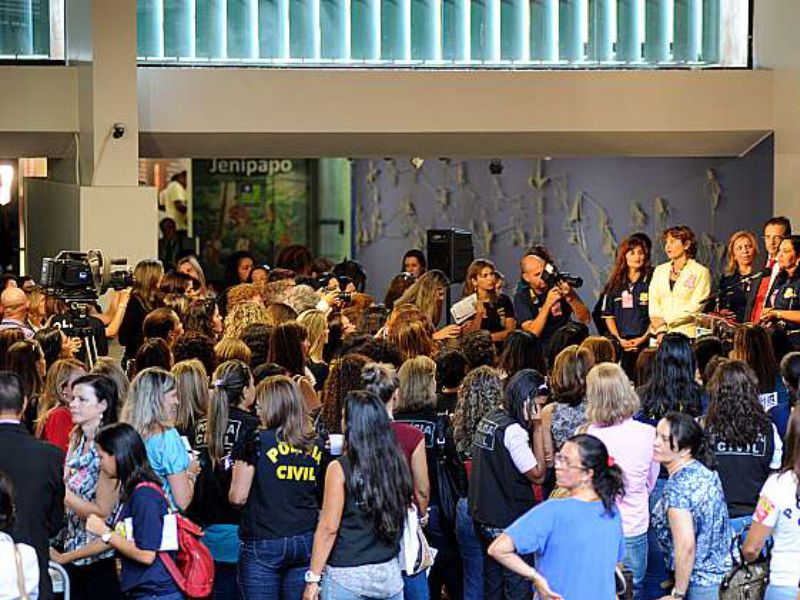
pixel 677 305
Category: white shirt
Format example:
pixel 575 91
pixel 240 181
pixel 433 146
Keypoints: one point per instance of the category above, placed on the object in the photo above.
pixel 516 442
pixel 9 585
pixel 173 195
pixel 777 508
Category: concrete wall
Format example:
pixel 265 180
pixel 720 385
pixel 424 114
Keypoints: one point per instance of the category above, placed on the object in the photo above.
pixel 608 185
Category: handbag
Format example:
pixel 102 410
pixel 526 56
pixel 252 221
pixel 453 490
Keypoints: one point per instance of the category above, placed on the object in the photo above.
pixel 23 594
pixel 745 581
pixel 415 553
pixel 446 486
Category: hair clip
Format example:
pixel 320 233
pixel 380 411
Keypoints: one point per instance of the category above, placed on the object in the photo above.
pixel 218 383
pixel 610 461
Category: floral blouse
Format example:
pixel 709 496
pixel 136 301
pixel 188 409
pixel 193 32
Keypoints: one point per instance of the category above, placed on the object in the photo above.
pixel 81 474
pixel 698 490
pixel 566 419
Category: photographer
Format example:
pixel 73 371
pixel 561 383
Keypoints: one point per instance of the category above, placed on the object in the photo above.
pixel 545 301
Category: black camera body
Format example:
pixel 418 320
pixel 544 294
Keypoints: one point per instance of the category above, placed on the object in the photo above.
pixel 552 277
pixel 83 276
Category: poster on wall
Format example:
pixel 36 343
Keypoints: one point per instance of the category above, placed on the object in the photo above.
pixel 248 204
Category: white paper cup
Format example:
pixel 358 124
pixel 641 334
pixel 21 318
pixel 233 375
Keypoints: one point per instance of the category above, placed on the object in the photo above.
pixel 337 443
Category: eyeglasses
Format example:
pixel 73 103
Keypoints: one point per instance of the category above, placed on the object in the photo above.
pixel 561 461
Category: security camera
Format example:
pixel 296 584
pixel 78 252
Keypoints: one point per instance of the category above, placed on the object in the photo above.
pixel 118 131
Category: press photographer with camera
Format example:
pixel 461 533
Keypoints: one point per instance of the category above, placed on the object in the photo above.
pixel 546 299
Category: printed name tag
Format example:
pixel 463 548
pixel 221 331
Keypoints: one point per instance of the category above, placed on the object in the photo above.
pixel 627 299
pixel 169 532
pixel 769 400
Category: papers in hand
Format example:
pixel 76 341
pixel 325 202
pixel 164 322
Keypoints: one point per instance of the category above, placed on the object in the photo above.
pixel 464 309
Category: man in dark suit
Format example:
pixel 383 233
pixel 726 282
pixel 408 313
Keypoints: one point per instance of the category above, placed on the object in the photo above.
pixel 36 470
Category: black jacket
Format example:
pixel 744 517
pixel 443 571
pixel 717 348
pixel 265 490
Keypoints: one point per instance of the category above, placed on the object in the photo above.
pixel 36 470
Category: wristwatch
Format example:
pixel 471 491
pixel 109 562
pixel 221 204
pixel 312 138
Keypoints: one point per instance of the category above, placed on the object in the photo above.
pixel 676 594
pixel 106 537
pixel 312 577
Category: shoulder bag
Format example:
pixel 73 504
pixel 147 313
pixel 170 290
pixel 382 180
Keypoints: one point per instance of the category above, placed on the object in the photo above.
pixel 745 581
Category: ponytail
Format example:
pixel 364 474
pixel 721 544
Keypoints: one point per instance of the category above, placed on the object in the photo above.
pixel 607 476
pixel 230 380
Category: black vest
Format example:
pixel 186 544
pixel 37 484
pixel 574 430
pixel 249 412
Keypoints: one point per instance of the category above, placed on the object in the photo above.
pixel 743 470
pixel 357 542
pixel 283 496
pixel 498 492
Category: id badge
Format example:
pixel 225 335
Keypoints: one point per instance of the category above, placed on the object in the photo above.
pixel 627 299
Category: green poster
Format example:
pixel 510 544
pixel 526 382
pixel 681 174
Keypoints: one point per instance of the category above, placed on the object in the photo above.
pixel 249 204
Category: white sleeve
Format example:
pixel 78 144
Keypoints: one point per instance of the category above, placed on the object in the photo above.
pixel 516 442
pixel 777 454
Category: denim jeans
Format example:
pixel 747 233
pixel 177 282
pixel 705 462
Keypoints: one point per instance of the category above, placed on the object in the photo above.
pixel 636 560
pixel 415 587
pixel 702 592
pixel 656 567
pixel 739 523
pixel 274 569
pixel 330 590
pixel 781 592
pixel 498 582
pixel 446 569
pixel 471 552
pixel 168 596
pixel 225 587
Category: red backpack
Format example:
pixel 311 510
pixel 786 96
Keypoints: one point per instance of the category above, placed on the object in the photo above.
pixel 193 569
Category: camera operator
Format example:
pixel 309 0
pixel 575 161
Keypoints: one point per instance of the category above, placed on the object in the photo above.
pixel 541 305
pixel 76 321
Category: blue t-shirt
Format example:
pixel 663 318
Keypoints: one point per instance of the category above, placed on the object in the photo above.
pixel 698 490
pixel 168 456
pixel 146 509
pixel 570 538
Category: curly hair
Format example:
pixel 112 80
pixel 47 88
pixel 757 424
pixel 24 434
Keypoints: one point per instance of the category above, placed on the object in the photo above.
pixel 241 316
pixel 199 316
pixel 478 348
pixel 480 392
pixel 735 415
pixel 242 293
pixel 301 298
pixel 344 377
pixel 257 336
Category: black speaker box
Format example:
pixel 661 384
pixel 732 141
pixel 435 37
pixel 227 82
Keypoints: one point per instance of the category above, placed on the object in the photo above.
pixel 450 251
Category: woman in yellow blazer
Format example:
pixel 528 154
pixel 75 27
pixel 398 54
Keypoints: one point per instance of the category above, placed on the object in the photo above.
pixel 679 286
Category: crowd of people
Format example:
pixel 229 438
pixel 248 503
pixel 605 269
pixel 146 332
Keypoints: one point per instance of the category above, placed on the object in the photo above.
pixel 334 447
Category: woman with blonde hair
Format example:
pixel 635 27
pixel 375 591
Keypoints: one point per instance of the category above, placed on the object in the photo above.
pixel 192 381
pixel 316 324
pixel 151 410
pixel 427 294
pixel 241 316
pixel 53 421
pixel 610 406
pixel 228 423
pixel 732 293
pixel 232 348
pixel 144 298
pixel 279 460
pixel 416 405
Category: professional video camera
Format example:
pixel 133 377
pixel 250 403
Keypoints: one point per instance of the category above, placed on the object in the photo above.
pixel 552 276
pixel 83 276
